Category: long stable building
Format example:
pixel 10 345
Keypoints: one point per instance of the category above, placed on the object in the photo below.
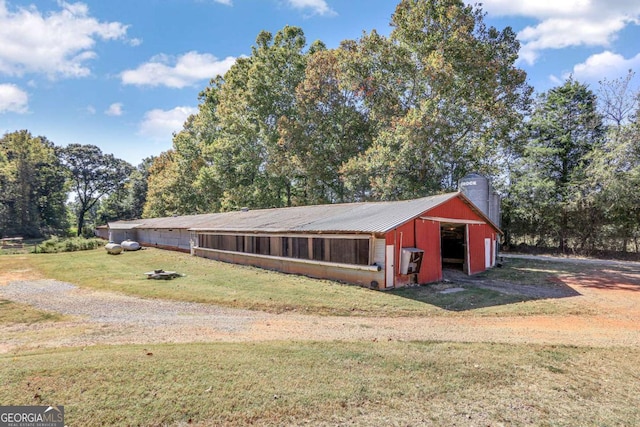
pixel 376 244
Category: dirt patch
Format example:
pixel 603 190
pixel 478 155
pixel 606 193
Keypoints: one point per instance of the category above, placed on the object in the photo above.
pixel 18 272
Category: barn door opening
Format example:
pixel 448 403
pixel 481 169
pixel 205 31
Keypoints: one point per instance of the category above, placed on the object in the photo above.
pixel 453 246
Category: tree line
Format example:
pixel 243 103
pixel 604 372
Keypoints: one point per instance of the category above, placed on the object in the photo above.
pixel 396 117
pixel 37 179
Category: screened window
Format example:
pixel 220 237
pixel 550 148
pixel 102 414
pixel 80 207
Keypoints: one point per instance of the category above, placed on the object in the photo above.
pixel 318 249
pixel 300 247
pixel 349 251
pixel 343 251
pixel 263 246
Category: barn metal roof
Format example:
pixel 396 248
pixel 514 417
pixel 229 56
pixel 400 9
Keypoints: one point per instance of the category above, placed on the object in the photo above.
pixel 364 217
pixel 123 225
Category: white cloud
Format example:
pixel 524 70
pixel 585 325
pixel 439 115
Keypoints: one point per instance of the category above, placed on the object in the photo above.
pixel 160 125
pixel 225 2
pixel 555 80
pixel 114 109
pixel 604 65
pixel 13 99
pixel 317 7
pixel 57 44
pixel 536 8
pixel 562 33
pixel 187 70
pixel 567 23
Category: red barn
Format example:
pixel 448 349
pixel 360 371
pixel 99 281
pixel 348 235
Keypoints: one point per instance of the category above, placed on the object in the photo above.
pixel 378 244
pixel 453 233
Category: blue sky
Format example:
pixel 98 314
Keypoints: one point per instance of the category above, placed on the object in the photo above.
pixel 124 74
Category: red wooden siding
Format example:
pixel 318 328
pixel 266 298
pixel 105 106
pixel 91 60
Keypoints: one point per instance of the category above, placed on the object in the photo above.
pixel 454 208
pixel 425 234
pixel 475 248
pixel 428 239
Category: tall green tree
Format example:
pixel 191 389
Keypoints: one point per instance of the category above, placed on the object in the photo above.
pixel 127 202
pixel 228 155
pixel 175 186
pixel 380 117
pixel 258 94
pixel 613 173
pixel 92 175
pixel 161 197
pixel 32 200
pixel 449 93
pixel 327 130
pixel 551 200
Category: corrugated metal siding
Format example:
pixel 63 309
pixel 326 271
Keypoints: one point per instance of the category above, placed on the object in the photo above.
pixel 425 234
pixel 176 238
pixel 102 232
pixel 119 235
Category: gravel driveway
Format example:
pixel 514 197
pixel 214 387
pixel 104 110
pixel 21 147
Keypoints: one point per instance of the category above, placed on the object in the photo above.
pixel 111 307
pixel 102 317
pixel 98 317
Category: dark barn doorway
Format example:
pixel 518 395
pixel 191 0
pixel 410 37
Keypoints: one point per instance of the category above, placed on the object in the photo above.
pixel 453 247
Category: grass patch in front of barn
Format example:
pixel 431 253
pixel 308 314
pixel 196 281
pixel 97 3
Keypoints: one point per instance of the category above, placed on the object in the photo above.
pixel 252 288
pixel 214 282
pixel 468 298
pixel 339 383
pixel 15 313
pixel 533 272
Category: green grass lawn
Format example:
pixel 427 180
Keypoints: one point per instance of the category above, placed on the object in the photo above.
pixel 215 282
pixel 256 289
pixel 534 272
pixel 365 383
pixel 309 383
pixel 12 312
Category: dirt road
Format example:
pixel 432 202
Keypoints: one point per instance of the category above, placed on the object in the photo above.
pixel 95 317
pixel 587 261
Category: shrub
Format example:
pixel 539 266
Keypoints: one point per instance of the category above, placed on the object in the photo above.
pixel 56 244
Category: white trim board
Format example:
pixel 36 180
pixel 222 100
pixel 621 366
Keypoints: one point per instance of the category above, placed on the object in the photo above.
pixel 452 220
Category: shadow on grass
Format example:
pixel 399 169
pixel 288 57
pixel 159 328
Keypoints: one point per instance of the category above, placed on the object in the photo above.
pixel 469 298
pixel 460 292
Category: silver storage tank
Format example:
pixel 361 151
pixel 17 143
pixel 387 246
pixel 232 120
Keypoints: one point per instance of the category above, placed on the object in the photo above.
pixel 476 188
pixel 494 209
pixel 113 248
pixel 130 245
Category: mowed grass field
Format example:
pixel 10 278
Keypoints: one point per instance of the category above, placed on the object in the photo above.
pixel 251 288
pixel 365 383
pixel 329 384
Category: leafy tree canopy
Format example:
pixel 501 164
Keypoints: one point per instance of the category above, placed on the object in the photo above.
pixel 92 175
pixel 33 187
